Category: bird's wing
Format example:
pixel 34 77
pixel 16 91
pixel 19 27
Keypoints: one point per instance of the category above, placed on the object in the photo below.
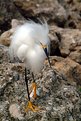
pixel 35 59
pixel 21 52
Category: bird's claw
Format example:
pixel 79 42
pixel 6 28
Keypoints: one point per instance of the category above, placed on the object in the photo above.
pixel 32 107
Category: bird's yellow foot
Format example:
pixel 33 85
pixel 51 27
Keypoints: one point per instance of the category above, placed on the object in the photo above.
pixel 32 107
pixel 34 87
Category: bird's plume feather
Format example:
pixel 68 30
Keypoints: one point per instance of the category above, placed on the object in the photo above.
pixel 26 44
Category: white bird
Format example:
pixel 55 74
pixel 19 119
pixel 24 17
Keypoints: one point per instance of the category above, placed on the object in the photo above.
pixel 30 43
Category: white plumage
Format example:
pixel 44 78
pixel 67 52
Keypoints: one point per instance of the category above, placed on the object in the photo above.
pixel 26 44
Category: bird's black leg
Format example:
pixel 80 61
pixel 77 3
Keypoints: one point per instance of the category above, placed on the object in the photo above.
pixel 30 104
pixel 26 80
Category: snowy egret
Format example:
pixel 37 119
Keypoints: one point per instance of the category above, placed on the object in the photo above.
pixel 31 44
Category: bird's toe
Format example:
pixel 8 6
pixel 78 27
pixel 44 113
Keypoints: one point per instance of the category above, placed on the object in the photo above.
pixel 31 107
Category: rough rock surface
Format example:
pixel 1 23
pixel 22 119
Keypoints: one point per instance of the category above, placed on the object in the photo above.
pixel 69 39
pixel 76 55
pixel 59 87
pixel 64 13
pixel 8 11
pixel 5 37
pixel 51 10
pixel 73 8
pixel 70 69
pixel 59 92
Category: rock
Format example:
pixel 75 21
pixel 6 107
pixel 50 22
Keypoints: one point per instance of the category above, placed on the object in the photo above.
pixel 15 112
pixel 54 42
pixel 76 56
pixel 58 87
pixel 69 39
pixel 60 16
pixel 70 69
pixel 73 13
pixel 58 100
pixel 4 55
pixel 8 11
pixel 51 10
pixel 3 108
pixel 16 76
pixel 15 23
pixel 5 37
pixel 5 78
pixel 64 13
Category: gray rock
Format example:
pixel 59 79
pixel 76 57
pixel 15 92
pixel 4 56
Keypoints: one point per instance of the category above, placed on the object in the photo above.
pixel 69 39
pixel 15 112
pixel 7 12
